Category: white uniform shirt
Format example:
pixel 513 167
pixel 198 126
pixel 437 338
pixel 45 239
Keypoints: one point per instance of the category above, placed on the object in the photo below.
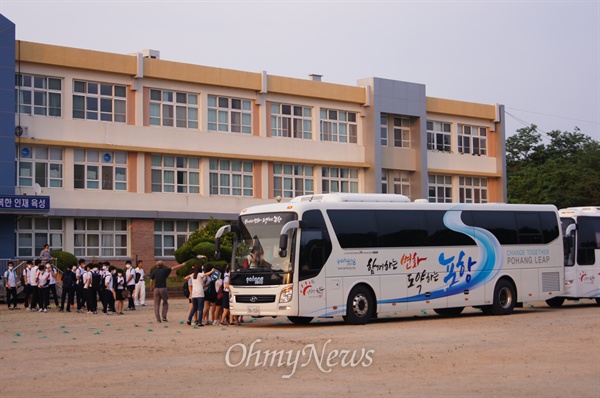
pixel 142 274
pixel 197 285
pixel 32 276
pixel 11 278
pixel 86 278
pixel 130 271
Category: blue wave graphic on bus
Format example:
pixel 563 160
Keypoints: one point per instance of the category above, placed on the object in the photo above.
pixel 490 253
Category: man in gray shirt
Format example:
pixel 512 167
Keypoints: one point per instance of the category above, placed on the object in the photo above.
pixel 158 286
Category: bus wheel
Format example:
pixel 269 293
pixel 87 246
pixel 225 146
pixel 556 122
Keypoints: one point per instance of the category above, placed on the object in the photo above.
pixel 454 311
pixel 555 302
pixel 505 298
pixel 300 320
pixel 360 306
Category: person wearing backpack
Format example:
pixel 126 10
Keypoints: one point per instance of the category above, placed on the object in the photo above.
pixel 197 292
pixel 130 275
pixel 109 292
pixel 10 284
pixel 68 288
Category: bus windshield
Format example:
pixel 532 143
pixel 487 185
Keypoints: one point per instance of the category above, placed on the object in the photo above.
pixel 256 247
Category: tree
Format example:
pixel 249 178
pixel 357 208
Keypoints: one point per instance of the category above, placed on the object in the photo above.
pixel 565 172
pixel 202 242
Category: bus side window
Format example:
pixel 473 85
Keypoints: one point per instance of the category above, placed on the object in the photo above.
pixel 315 245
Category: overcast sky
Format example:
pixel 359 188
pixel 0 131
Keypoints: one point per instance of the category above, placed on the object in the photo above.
pixel 541 59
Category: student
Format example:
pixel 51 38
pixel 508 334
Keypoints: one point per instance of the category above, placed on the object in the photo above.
pixel 10 284
pixel 26 286
pixel 119 288
pixel 109 292
pixel 81 294
pixel 130 284
pixel 68 288
pixel 140 286
pixel 197 293
pixel 44 288
pixel 33 285
pixel 226 318
pixel 90 292
pixel 52 286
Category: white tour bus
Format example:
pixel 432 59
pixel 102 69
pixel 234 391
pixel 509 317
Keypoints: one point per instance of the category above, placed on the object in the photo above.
pixel 581 230
pixel 359 255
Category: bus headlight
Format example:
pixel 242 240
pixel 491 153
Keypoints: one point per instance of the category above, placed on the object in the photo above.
pixel 286 295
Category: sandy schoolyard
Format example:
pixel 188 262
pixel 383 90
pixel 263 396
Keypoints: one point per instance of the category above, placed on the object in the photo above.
pixel 535 352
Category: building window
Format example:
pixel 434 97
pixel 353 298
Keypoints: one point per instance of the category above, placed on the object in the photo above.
pixel 35 232
pixel 168 108
pixel 292 180
pixel 41 165
pixel 472 139
pixel 439 136
pixel 339 179
pixel 291 121
pixel 100 237
pixel 401 132
pixel 339 126
pixel 473 190
pixel 231 177
pixel 100 170
pixel 395 181
pixel 172 234
pixel 99 101
pixel 175 174
pixel 440 189
pixel 384 130
pixel 229 114
pixel 38 95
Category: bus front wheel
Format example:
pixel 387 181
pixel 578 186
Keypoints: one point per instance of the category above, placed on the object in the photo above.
pixel 300 320
pixel 555 302
pixel 360 306
pixel 505 298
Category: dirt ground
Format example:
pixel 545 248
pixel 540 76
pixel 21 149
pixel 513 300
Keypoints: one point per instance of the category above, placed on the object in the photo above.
pixel 535 352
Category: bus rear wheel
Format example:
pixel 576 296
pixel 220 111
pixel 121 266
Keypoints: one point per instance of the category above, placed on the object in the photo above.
pixel 300 320
pixel 505 298
pixel 555 302
pixel 360 306
pixel 454 311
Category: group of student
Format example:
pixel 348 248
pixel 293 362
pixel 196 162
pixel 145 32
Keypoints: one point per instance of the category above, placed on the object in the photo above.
pixel 82 284
pixel 208 292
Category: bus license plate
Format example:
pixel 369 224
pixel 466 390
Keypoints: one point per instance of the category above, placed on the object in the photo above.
pixel 253 310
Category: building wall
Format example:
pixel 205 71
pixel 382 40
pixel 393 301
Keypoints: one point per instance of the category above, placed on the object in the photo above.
pixel 140 207
pixel 7 132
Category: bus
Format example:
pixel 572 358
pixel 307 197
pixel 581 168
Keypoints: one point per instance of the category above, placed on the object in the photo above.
pixel 360 255
pixel 581 230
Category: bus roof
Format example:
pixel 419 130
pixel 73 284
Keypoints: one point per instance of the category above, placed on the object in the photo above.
pixel 580 211
pixel 353 197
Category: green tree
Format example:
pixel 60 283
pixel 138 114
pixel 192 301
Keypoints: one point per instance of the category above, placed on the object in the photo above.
pixel 203 242
pixel 564 172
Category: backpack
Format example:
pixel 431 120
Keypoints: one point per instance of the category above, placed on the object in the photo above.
pixel 138 275
pixel 97 281
pixel 186 289
pixel 67 278
pixel 220 292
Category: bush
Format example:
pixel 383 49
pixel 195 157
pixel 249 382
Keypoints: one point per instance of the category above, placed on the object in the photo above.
pixel 64 260
pixel 205 248
pixel 185 252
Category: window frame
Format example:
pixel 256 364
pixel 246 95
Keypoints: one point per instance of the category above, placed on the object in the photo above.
pixel 106 164
pixel 222 114
pixel 229 177
pixel 93 97
pixel 30 86
pixel 291 180
pixel 331 122
pixel 176 102
pixel 184 170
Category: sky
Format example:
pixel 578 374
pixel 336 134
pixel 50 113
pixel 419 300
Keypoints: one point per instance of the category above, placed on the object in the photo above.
pixel 540 59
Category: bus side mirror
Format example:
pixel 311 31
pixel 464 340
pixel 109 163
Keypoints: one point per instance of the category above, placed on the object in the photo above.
pixel 571 230
pixel 283 242
pixel 220 232
pixel 283 236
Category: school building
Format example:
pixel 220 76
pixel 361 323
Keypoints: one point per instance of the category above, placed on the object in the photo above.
pixel 122 156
